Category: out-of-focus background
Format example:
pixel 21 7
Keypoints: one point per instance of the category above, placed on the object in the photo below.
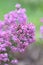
pixel 34 10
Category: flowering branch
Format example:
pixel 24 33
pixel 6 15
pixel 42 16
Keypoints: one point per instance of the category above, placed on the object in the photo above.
pixel 15 35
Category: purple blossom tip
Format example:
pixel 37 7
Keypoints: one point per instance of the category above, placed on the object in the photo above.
pixel 17 5
pixel 41 20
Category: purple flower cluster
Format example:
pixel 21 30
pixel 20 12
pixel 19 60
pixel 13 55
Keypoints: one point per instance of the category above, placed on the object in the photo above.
pixel 41 28
pixel 15 35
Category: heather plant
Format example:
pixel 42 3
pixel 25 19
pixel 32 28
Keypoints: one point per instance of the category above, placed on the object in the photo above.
pixel 15 35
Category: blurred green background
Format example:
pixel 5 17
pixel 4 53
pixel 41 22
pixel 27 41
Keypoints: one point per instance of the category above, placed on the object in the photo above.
pixel 34 10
